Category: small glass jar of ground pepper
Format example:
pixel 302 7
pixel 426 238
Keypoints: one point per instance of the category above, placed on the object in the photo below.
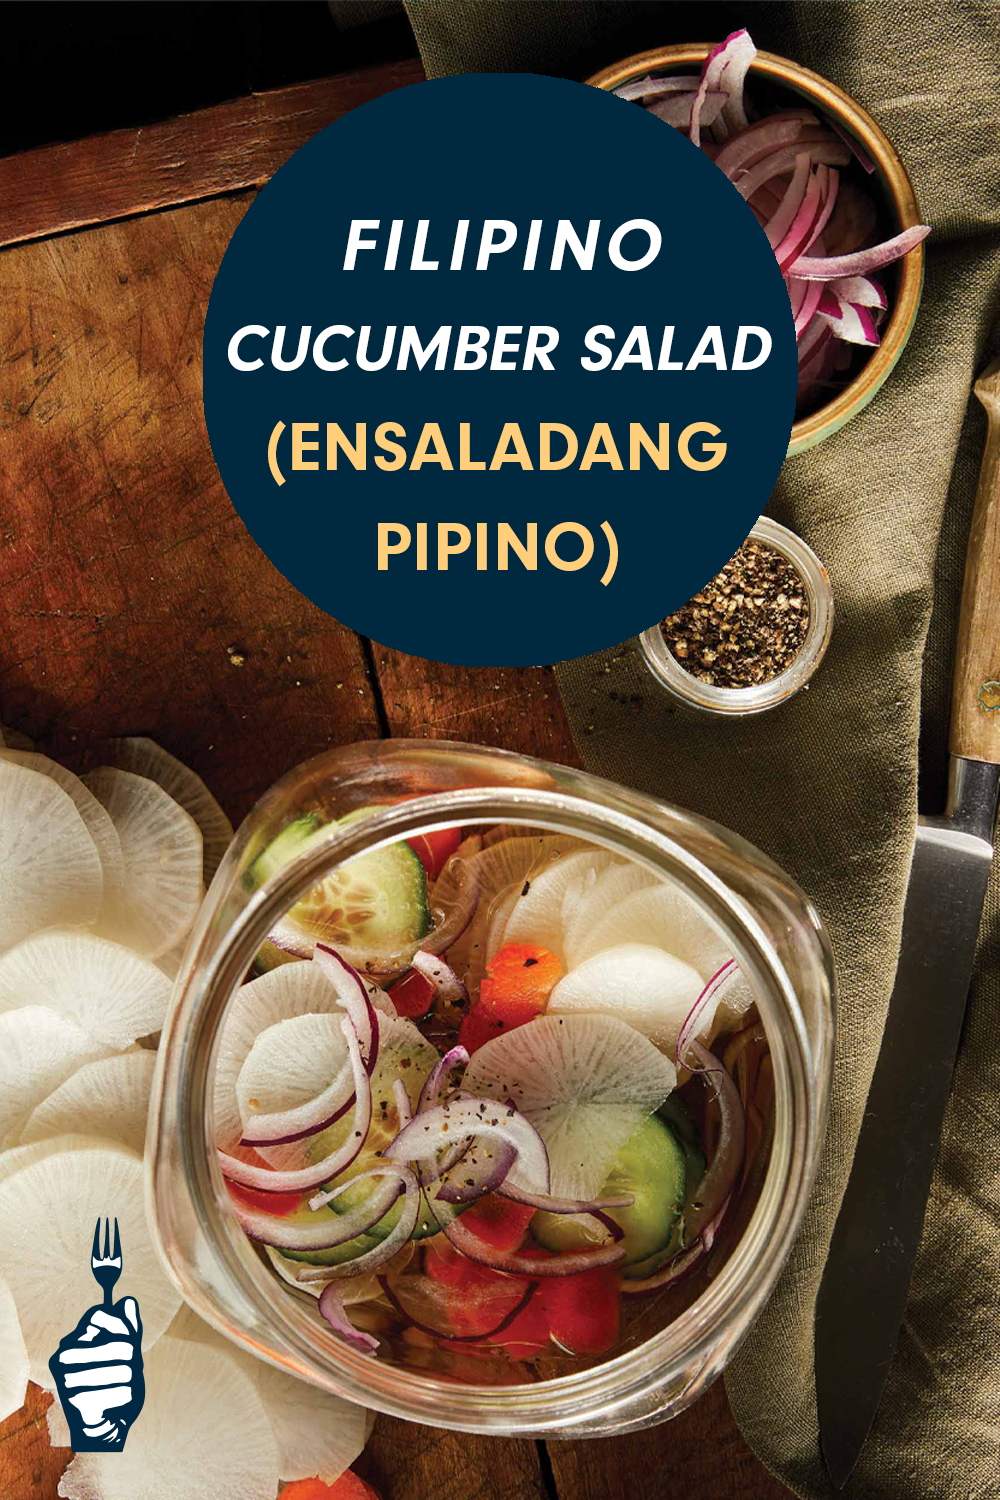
pixel 754 635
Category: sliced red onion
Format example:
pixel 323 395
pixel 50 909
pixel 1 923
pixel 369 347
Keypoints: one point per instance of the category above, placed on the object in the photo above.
pixel 460 1338
pixel 352 993
pixel 552 1205
pixel 716 1187
pixel 401 1232
pixel 434 1092
pixel 329 1233
pixel 724 70
pixel 304 1178
pixel 856 149
pixel 761 140
pixel 481 1169
pixel 434 1086
pixel 471 1246
pixel 485 1120
pixel 855 325
pixel 783 160
pixel 331 1305
pixel 861 291
pixel 674 1270
pixel 809 304
pixel 676 109
pixel 654 88
pixel 781 221
pixel 693 1020
pixel 862 262
pixel 444 979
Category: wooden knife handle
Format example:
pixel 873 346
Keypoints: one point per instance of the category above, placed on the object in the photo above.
pixel 975 709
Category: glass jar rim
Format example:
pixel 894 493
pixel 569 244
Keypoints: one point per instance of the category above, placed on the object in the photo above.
pixel 730 1300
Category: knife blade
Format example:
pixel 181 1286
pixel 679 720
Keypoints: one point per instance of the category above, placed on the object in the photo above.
pixel 863 1292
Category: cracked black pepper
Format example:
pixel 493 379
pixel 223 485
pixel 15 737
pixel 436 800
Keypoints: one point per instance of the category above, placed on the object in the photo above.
pixel 745 627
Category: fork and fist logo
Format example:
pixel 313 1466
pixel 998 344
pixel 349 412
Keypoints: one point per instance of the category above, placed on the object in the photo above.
pixel 98 1367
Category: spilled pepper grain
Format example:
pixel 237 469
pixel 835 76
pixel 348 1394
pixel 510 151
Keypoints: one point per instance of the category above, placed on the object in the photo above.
pixel 747 625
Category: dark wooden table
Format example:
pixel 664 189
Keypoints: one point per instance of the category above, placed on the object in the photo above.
pixel 132 600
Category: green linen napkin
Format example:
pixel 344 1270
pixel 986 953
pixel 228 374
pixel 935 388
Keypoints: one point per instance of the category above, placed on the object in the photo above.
pixel 827 784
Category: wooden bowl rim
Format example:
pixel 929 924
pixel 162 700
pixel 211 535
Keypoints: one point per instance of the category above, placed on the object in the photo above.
pixel 781 70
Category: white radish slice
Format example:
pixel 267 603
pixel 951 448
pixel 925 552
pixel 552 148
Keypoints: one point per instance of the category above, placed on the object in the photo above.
pixel 14 1365
pixel 610 887
pixel 108 1098
pixel 295 989
pixel 96 819
pixel 106 989
pixel 38 1051
pixel 296 1061
pixel 665 917
pixel 144 757
pixel 59 1433
pixel 649 989
pixel 318 1435
pixel 403 1053
pixel 13 739
pixel 48 1211
pixel 169 963
pixel 538 915
pixel 500 870
pixel 50 870
pixel 585 1082
pixel 16 1157
pixel 203 1434
pixel 161 846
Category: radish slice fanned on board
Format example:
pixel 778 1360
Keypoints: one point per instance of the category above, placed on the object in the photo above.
pixel 14 1367
pixel 47 1210
pixel 144 757
pixel 162 850
pixel 204 1434
pixel 585 1082
pixel 108 1099
pixel 105 988
pixel 38 1051
pixel 50 870
pixel 96 819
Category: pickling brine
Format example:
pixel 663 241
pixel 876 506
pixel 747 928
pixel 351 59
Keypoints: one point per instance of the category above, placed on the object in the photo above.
pixel 497 1098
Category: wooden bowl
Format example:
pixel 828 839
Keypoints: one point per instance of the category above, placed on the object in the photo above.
pixel 890 177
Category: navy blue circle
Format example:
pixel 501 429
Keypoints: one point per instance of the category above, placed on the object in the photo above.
pixel 511 147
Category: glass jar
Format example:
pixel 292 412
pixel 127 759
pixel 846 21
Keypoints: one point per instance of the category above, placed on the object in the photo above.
pixel 773 932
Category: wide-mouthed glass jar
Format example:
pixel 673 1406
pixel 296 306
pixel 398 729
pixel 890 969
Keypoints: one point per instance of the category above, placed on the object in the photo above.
pixel 673 1344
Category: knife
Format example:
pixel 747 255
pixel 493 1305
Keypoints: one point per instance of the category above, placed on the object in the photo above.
pixel 862 1296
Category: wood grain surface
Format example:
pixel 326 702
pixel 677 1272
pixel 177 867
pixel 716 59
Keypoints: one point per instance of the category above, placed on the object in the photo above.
pixel 132 599
pixel 234 145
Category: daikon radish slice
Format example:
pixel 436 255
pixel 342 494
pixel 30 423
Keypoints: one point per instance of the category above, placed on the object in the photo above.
pixel 162 849
pixel 203 1435
pixel 13 1357
pixel 50 870
pixel 108 1098
pixel 96 819
pixel 48 1211
pixel 144 757
pixel 38 1051
pixel 584 1082
pixel 537 916
pixel 105 988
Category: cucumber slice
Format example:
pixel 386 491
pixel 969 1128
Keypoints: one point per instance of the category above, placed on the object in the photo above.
pixel 373 909
pixel 651 1166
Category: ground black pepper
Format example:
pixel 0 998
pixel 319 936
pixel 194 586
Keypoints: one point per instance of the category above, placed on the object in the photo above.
pixel 747 625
